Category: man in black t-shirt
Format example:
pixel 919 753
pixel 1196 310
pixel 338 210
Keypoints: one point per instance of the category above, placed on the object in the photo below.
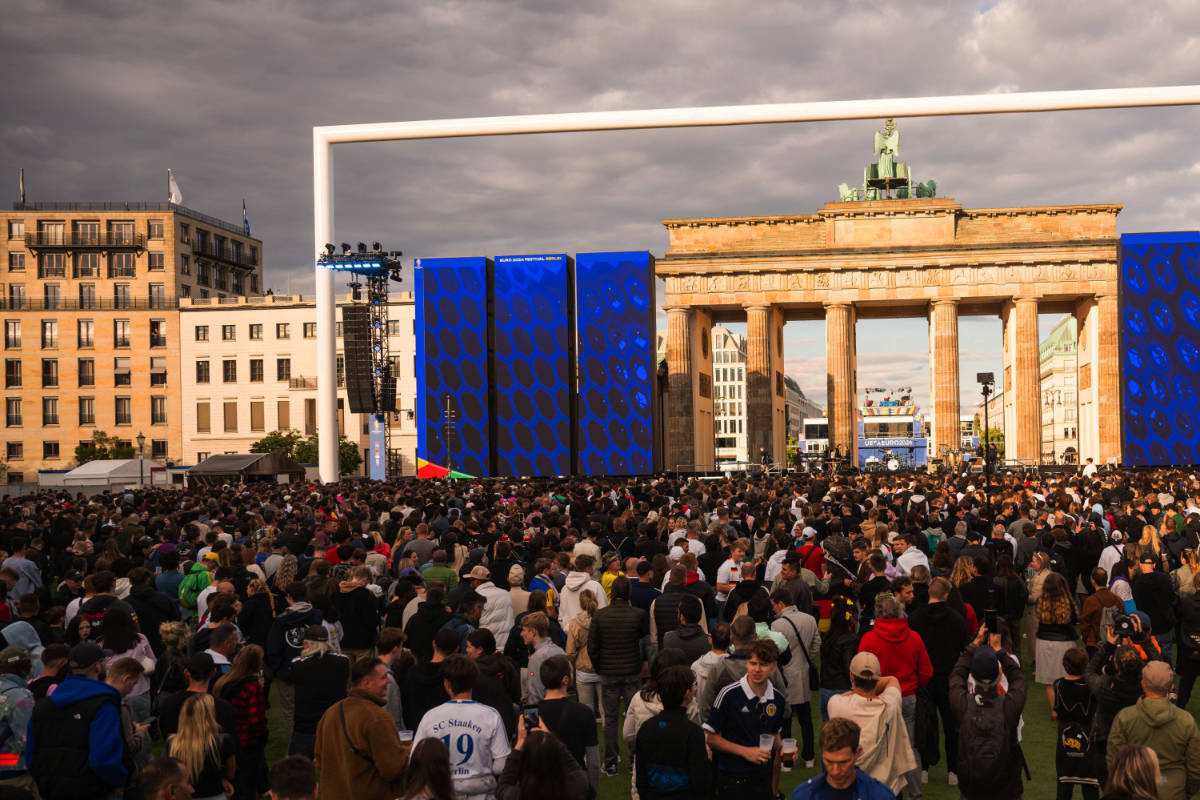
pixel 199 671
pixel 573 723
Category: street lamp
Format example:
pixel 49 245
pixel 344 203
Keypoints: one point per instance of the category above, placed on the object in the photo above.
pixel 985 381
pixel 141 440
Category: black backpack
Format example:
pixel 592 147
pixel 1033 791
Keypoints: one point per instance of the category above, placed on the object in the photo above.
pixel 985 743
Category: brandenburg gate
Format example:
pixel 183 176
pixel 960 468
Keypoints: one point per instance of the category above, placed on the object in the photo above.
pixel 868 258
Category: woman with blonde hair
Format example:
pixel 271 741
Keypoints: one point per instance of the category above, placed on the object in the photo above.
pixel 1134 774
pixel 587 682
pixel 1039 567
pixel 1151 543
pixel 1056 633
pixel 206 752
pixel 1183 576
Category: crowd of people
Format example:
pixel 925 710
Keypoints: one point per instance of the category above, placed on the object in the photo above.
pixel 430 640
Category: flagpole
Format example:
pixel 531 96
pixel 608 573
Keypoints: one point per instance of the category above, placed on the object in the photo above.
pixel 168 184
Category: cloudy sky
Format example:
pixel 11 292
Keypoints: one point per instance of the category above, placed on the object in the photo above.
pixel 104 95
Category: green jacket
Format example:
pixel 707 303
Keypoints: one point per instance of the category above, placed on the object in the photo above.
pixel 195 582
pixel 1170 732
pixel 441 572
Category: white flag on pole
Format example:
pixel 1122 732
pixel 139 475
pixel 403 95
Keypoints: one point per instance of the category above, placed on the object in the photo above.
pixel 173 194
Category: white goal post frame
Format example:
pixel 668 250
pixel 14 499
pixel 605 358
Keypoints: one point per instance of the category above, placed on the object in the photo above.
pixel 325 137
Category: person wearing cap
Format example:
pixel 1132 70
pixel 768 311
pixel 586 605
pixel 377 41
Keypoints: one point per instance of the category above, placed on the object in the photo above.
pixel 74 746
pixel 320 677
pixel 439 570
pixel 975 696
pixel 497 611
pixel 1157 723
pixel 874 703
pixel 1152 593
pixel 16 708
pixel 903 655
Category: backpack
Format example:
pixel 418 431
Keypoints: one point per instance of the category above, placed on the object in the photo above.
pixel 191 587
pixel 985 743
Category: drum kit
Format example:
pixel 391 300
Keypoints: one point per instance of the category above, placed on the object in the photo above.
pixel 889 463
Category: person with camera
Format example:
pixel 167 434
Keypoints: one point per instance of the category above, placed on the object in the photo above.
pixel 1169 731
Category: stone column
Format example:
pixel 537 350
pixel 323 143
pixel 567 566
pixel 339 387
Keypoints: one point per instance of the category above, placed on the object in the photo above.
pixel 839 357
pixel 1027 380
pixel 764 405
pixel 1106 368
pixel 943 335
pixel 1085 369
pixel 680 446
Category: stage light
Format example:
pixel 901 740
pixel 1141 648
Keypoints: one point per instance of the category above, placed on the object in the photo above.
pixel 329 249
pixel 345 248
pixel 377 247
pixel 362 248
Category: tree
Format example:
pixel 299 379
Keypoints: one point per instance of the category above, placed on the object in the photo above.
pixel 102 447
pixel 282 442
pixel 349 459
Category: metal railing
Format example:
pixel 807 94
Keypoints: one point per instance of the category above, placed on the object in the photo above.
pixel 105 241
pixel 105 304
pixel 137 206
pixel 226 255
pixel 302 383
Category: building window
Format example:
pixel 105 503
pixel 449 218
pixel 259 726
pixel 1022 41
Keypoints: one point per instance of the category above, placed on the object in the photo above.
pixel 201 333
pixel 120 333
pixel 237 284
pixel 154 229
pixel 310 330
pixel 202 273
pixel 122 296
pixel 282 330
pixel 154 262
pixel 185 290
pixel 87 411
pixel 16 262
pixel 158 371
pixel 49 333
pixel 337 329
pixel 254 283
pixel 52 265
pixel 158 295
pixel 158 449
pixel 122 408
pixel 12 372
pixel 393 327
pixel 51 296
pixel 204 294
pixel 12 412
pixel 256 370
pixel 87 372
pixel 256 415
pixel 14 451
pixel 203 423
pixel 158 410
pixel 12 334
pixel 16 229
pixel 202 375
pixel 340 370
pixel 49 450
pixel 87 265
pixel 49 372
pixel 229 370
pixel 283 410
pixel 87 296
pixel 121 373
pixel 185 265
pixel 49 410
pixel 52 232
pixel 283 369
pixel 16 477
pixel 87 332
pixel 185 235
pixel 16 296
pixel 230 416
pixel 122 265
pixel 255 332
pixel 158 333
pixel 228 333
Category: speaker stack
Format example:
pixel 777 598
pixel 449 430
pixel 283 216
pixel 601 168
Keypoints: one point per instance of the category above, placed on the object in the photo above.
pixel 356 340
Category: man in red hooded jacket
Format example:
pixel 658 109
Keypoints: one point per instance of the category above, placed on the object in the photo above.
pixel 901 653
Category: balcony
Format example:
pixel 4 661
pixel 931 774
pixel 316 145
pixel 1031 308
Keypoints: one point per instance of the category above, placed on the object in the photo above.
pixel 105 304
pixel 223 255
pixel 85 241
pixel 302 383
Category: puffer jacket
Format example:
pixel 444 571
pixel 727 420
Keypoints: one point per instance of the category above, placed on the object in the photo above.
pixel 577 642
pixel 497 612
pixel 1171 733
pixel 614 639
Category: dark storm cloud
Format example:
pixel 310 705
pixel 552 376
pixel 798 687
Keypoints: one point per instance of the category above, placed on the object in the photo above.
pixel 102 97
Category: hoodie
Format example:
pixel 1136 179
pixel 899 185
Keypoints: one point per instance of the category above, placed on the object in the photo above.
pixel 900 652
pixel 576 582
pixel 1171 733
pixel 285 640
pixel 690 638
pixel 359 612
pixel 106 746
pixel 15 711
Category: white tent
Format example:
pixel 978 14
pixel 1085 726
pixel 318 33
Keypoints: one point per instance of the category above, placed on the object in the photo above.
pixel 114 472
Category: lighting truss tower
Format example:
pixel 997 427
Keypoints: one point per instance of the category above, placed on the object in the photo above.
pixel 375 269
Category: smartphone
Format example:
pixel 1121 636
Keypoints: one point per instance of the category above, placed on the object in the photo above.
pixel 530 713
pixel 991 620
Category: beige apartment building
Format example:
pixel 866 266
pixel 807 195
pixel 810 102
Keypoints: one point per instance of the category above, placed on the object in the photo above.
pixel 89 297
pixel 251 368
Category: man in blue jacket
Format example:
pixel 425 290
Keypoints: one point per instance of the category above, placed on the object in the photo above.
pixel 839 752
pixel 75 734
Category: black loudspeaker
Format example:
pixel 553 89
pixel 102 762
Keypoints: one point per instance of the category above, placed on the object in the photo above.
pixel 387 392
pixel 356 339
